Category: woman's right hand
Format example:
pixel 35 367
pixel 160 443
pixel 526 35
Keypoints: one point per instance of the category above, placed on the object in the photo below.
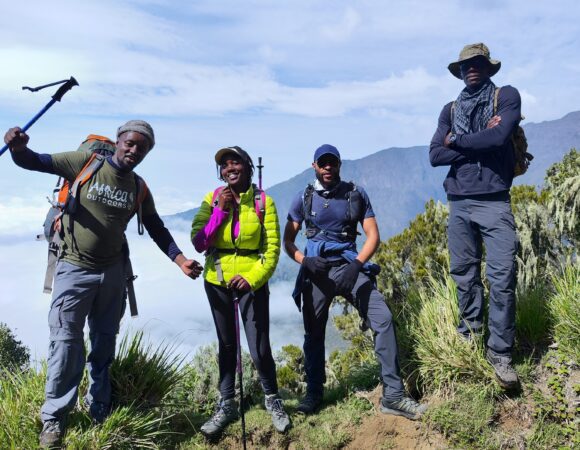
pixel 225 199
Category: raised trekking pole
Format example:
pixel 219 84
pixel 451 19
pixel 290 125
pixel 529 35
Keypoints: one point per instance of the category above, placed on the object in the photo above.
pixel 239 364
pixel 67 85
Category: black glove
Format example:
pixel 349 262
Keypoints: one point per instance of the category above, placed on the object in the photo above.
pixel 316 265
pixel 348 277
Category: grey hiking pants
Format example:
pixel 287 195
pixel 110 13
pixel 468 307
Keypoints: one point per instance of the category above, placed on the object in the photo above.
pixel 371 306
pixel 79 294
pixel 484 220
pixel 255 317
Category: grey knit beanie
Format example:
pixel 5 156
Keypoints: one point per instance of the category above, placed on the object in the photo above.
pixel 140 126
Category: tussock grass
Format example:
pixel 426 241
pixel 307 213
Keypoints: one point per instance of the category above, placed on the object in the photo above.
pixel 125 428
pixel 443 357
pixel 533 316
pixel 565 310
pixel 143 374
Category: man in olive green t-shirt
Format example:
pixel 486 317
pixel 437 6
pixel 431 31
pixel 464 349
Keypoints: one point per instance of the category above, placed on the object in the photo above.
pixel 90 276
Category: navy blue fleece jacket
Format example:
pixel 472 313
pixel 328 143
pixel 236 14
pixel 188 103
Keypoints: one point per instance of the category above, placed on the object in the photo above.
pixel 482 162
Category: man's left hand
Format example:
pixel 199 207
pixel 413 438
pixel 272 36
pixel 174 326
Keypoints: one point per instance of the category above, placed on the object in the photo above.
pixel 347 280
pixel 191 268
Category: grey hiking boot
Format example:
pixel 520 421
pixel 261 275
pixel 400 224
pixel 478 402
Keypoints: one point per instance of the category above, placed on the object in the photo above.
pixel 505 374
pixel 51 434
pixel 310 403
pixel 406 407
pixel 97 410
pixel 226 412
pixel 275 406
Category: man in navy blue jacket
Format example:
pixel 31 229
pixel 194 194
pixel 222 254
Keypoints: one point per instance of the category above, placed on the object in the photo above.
pixel 473 137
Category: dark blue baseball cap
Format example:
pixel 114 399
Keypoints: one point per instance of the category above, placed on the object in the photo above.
pixel 326 149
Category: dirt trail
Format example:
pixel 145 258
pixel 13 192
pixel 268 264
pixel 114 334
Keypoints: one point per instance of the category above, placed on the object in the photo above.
pixel 381 431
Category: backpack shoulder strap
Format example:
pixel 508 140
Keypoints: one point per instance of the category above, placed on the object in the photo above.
pixel 142 191
pixel 307 203
pixel 260 203
pixel 94 163
pixel 216 193
pixel 495 98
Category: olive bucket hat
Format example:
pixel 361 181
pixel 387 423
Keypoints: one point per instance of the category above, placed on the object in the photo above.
pixel 472 51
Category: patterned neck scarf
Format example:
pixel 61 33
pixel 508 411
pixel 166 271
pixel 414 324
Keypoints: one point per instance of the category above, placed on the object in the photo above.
pixel 473 109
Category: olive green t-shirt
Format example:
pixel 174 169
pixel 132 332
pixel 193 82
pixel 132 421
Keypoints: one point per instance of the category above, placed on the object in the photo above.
pixel 106 203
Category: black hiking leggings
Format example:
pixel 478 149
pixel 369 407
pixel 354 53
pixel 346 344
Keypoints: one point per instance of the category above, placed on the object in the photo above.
pixel 255 316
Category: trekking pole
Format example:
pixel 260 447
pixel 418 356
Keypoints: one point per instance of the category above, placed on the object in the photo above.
pixel 239 364
pixel 67 85
pixel 260 167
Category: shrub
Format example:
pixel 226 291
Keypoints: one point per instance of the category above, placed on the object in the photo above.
pixel 13 354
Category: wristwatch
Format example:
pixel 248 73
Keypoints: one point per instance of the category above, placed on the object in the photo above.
pixel 452 140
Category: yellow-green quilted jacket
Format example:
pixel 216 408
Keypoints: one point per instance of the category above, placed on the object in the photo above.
pixel 249 266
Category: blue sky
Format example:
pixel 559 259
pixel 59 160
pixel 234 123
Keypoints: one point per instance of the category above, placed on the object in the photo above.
pixel 277 78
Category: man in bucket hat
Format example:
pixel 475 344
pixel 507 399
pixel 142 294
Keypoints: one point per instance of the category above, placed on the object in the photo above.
pixel 473 137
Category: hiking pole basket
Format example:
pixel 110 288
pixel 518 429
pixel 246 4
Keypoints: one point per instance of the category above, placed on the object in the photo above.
pixel 239 363
pixel 67 85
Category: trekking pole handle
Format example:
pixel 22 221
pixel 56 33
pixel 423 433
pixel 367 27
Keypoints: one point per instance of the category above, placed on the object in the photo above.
pixel 64 89
pixel 57 97
pixel 260 167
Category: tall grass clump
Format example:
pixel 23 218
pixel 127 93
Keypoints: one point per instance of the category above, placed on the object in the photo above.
pixel 21 395
pixel 443 356
pixel 532 316
pixel 143 374
pixel 565 311
pixel 125 428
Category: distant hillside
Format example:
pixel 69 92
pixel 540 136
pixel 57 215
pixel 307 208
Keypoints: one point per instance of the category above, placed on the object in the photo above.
pixel 400 180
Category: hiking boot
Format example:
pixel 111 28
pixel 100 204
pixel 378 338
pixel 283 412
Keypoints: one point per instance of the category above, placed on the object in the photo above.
pixel 99 412
pixel 406 407
pixel 310 403
pixel 275 406
pixel 226 412
pixel 51 434
pixel 505 374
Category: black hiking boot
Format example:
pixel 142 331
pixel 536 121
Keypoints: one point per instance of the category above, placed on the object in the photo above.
pixel 51 434
pixel 275 406
pixel 506 375
pixel 310 403
pixel 406 407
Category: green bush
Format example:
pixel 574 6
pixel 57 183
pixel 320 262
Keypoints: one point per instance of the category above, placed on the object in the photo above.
pixel 13 354
pixel 197 389
pixel 290 369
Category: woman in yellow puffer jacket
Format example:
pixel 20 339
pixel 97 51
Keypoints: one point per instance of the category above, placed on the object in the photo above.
pixel 237 226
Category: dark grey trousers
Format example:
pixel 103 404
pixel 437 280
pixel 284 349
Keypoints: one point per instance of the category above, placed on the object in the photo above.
pixel 371 306
pixel 472 224
pixel 80 293
pixel 255 316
